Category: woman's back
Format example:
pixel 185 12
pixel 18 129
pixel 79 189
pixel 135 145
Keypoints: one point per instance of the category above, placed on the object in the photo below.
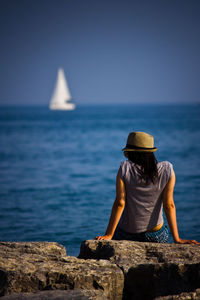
pixel 143 208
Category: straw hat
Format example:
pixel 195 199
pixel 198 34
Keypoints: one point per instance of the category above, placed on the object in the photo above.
pixel 140 142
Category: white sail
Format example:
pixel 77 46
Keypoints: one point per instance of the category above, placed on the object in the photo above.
pixel 61 96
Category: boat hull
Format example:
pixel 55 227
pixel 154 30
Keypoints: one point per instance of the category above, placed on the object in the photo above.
pixel 67 106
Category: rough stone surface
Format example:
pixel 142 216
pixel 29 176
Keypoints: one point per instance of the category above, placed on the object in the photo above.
pixel 183 296
pixel 41 248
pixel 30 267
pixel 104 269
pixel 58 295
pixel 137 252
pixel 151 270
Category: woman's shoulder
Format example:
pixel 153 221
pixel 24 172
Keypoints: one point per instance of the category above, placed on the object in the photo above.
pixel 125 167
pixel 126 163
pixel 165 166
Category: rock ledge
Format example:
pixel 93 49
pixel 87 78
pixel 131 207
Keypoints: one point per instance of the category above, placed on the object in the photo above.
pixel 104 270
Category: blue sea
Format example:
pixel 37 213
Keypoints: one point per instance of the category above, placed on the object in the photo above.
pixel 58 168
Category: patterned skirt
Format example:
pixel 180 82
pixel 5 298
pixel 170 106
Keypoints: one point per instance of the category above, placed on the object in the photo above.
pixel 160 236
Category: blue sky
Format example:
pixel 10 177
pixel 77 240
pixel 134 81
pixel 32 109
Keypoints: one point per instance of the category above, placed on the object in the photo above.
pixel 111 51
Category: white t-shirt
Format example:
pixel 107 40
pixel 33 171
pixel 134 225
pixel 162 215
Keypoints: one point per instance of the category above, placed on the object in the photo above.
pixel 143 208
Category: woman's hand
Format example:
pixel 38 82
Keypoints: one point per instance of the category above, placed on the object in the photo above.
pixel 103 237
pixel 180 241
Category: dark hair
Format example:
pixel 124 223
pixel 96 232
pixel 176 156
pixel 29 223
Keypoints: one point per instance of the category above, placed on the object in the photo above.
pixel 148 163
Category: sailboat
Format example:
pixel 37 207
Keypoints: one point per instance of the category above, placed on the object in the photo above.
pixel 61 95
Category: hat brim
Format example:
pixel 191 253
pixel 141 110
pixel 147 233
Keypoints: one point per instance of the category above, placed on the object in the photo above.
pixel 140 150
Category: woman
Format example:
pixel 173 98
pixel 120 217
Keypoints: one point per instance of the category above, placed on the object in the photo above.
pixel 143 188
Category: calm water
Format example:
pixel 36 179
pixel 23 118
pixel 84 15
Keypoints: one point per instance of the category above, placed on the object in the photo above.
pixel 57 169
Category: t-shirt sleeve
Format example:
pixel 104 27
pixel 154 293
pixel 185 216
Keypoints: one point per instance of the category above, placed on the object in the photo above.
pixel 121 170
pixel 170 170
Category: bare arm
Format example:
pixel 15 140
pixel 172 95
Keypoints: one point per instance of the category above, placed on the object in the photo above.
pixel 170 212
pixel 117 209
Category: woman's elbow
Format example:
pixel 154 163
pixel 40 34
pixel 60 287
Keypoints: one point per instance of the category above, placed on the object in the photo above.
pixel 120 202
pixel 169 206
